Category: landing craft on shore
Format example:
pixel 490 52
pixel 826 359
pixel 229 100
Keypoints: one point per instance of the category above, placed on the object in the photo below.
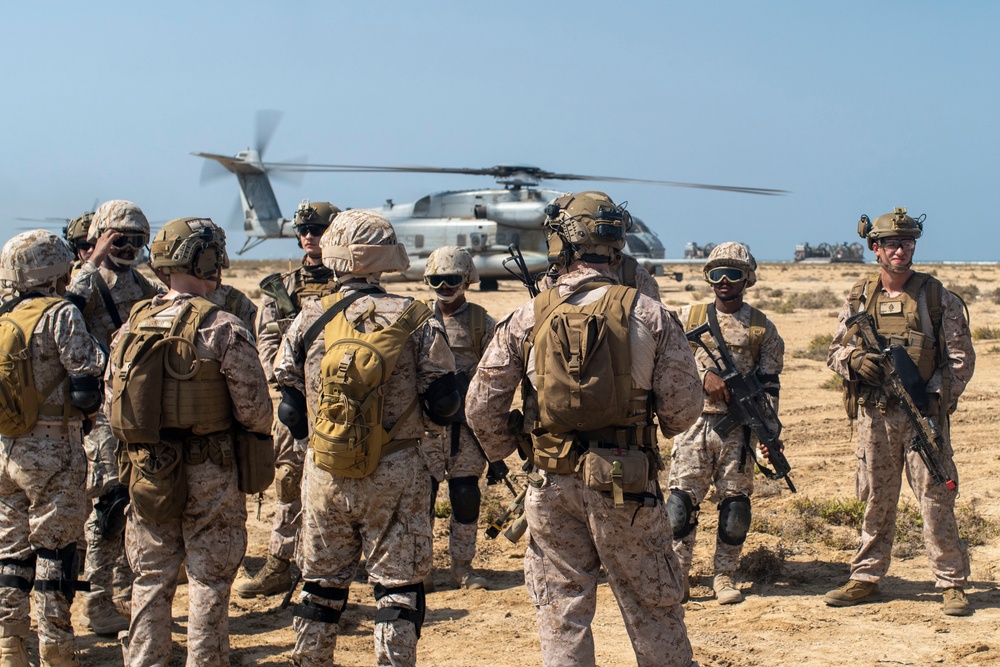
pixel 485 221
pixel 835 253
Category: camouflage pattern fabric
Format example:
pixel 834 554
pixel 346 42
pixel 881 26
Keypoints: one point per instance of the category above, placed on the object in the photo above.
pixel 883 453
pixel 285 526
pixel 42 475
pixel 644 281
pixel 470 460
pixel 383 515
pixel 244 308
pixel 574 530
pixel 211 533
pixel 126 289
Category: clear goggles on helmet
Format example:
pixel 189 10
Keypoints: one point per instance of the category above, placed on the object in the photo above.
pixel 440 282
pixel 134 241
pixel 728 273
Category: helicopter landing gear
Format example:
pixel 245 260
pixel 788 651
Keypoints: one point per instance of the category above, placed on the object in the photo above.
pixel 489 284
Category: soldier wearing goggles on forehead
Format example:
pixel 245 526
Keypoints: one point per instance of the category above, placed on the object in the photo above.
pixel 701 458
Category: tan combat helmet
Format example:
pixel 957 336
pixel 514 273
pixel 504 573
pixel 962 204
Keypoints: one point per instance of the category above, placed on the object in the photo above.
pixel 195 246
pixel 586 225
pixel 78 229
pixel 34 261
pixel 362 243
pixel 736 255
pixel 897 223
pixel 451 260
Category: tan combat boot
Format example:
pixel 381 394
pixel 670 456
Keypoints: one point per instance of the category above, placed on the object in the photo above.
pixel 103 618
pixel 465 577
pixel 54 656
pixel 851 593
pixel 12 653
pixel 955 602
pixel 725 590
pixel 274 577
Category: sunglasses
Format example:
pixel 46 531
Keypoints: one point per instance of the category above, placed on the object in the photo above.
pixel 729 273
pixel 306 230
pixel 134 241
pixel 437 282
pixel 83 246
pixel 892 245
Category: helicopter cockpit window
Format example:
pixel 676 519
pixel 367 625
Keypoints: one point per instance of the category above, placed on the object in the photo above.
pixel 422 207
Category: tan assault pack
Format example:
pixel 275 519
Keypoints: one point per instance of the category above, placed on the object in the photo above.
pixel 348 438
pixel 698 315
pixel 20 401
pixel 584 376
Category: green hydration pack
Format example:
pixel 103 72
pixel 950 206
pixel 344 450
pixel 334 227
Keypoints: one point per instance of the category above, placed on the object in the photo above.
pixel 583 377
pixel 348 437
pixel 21 403
pixel 698 315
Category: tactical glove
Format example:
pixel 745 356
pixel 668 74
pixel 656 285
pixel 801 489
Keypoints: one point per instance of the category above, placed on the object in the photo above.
pixel 866 366
pixel 495 473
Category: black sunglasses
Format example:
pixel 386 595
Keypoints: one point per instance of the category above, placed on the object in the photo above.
pixel 306 230
pixel 83 245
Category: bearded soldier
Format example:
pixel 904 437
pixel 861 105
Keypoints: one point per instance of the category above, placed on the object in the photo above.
pixel 109 285
pixel 184 390
pixel 358 363
pixel 42 465
pixel 701 457
pixel 454 453
pixel 309 282
pixel 914 311
pixel 598 362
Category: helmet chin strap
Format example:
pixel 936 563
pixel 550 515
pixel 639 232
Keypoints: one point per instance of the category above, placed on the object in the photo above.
pixel 121 262
pixel 888 266
pixel 450 298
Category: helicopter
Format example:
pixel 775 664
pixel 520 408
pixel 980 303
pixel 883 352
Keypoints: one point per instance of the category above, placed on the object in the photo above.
pixel 484 221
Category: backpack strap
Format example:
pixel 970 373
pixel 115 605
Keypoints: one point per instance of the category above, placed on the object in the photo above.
pixel 477 327
pixel 629 271
pixel 312 333
pixel 758 326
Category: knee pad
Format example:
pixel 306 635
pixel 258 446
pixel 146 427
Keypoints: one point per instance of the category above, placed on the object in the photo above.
pixel 14 581
pixel 287 483
pixel 734 520
pixel 323 613
pixel 682 512
pixel 465 498
pixel 69 563
pixel 390 614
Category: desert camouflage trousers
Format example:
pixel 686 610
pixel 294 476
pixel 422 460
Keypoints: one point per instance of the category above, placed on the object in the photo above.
pixel 883 454
pixel 469 461
pixel 42 506
pixel 574 530
pixel 383 516
pixel 211 534
pixel 287 513
pixel 700 459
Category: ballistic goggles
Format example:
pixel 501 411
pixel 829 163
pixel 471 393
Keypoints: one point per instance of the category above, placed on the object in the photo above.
pixel 439 282
pixel 83 246
pixel 134 241
pixel 728 273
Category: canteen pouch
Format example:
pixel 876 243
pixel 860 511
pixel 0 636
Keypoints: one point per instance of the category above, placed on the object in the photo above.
pixel 555 452
pixel 158 483
pixel 599 470
pixel 254 460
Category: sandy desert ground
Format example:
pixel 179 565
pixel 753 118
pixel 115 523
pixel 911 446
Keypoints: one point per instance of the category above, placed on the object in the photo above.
pixel 790 560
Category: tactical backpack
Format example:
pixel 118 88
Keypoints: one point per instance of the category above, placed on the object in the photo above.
pixel 583 375
pixel 20 401
pixel 348 438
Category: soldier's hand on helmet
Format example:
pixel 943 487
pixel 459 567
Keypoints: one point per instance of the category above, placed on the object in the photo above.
pixel 866 366
pixel 715 387
pixel 103 245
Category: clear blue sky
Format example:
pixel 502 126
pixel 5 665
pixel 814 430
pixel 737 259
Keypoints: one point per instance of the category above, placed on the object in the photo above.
pixel 854 107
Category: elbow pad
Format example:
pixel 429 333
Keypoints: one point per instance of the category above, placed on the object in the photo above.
pixel 86 393
pixel 292 412
pixel 442 402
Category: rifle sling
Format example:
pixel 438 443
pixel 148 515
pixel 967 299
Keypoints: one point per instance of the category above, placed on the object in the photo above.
pixel 109 302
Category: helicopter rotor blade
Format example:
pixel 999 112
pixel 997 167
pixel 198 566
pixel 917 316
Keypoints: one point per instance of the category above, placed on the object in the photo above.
pixel 672 184
pixel 290 177
pixel 267 123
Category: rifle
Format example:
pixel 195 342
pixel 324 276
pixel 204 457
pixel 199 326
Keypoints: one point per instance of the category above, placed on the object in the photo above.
pixel 521 272
pixel 748 406
pixel 514 512
pixel 905 384
pixel 274 287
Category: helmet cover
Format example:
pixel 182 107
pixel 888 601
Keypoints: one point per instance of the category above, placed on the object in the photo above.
pixel 362 242
pixel 736 255
pixel 451 260
pixel 120 215
pixel 34 260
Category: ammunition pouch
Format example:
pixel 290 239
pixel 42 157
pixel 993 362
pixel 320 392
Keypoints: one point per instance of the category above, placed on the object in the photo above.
pixel 560 453
pixel 254 454
pixel 555 453
pixel 616 471
pixel 287 483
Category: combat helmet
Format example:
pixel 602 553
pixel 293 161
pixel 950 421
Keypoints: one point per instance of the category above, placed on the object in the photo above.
pixel 195 246
pixel 319 213
pixel 361 242
pixel 586 225
pixel 127 218
pixel 736 255
pixel 451 260
pixel 78 229
pixel 897 223
pixel 34 261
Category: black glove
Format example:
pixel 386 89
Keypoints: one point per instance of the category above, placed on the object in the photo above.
pixel 292 412
pixel 495 472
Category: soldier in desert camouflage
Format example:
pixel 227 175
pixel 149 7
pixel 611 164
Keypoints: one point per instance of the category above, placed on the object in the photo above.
pixel 580 518
pixel 43 506
pixel 197 510
pixel 382 514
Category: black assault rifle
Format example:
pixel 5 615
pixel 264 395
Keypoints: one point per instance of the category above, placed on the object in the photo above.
pixel 905 384
pixel 748 405
pixel 520 270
